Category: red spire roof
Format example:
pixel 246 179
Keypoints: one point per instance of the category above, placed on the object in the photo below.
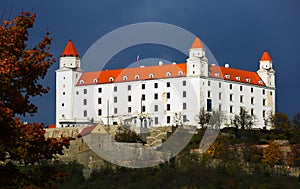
pixel 70 49
pixel 197 44
pixel 265 56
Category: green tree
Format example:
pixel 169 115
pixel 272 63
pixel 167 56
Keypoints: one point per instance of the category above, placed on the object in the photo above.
pixel 203 118
pixel 242 121
pixel 281 125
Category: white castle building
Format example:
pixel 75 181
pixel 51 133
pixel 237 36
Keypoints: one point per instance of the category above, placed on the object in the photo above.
pixel 153 95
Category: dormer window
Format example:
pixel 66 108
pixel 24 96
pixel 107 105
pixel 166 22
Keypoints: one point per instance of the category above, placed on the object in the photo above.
pixel 137 77
pixel 168 74
pixel 180 73
pixel 81 82
pixel 227 76
pixel 111 79
pixel 238 78
pixel 125 78
pixel 217 74
pixel 95 80
pixel 248 80
pixel 260 82
pixel 151 75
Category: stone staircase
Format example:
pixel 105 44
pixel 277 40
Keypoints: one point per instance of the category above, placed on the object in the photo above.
pixel 158 135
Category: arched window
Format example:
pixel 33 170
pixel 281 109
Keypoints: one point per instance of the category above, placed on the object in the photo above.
pixel 125 78
pixel 180 73
pixel 111 79
pixel 168 74
pixel 95 80
pixel 81 82
pixel 151 76
pixel 137 77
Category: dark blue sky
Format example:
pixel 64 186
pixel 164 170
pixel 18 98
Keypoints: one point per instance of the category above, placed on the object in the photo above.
pixel 235 31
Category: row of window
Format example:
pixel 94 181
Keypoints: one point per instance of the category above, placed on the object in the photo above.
pixel 238 78
pixel 143 86
pixel 241 98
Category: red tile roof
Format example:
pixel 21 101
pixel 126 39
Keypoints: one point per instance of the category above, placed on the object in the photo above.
pixel 70 50
pixel 87 130
pixel 235 75
pixel 131 74
pixel 52 126
pixel 197 43
pixel 265 56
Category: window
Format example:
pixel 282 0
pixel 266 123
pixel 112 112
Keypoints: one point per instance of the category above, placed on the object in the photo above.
pixel 81 82
pixel 115 110
pixel 84 91
pixel 99 90
pixel 63 104
pixel 208 94
pixel 168 74
pixel 230 86
pixel 220 96
pixel 217 74
pixel 264 113
pixel 129 109
pixel 77 92
pixel 64 85
pixel 155 120
pixel 241 99
pixel 125 78
pixel 168 119
pixel 263 91
pixel 271 93
pixel 155 96
pixel 180 73
pixel 168 95
pixel 156 108
pixel 208 83
pixel 64 77
pixel 184 94
pixel 252 112
pixel 184 106
pixel 231 109
pixel 231 97
pixel 84 113
pixel 99 100
pixel 151 75
pixel 143 86
pixel 99 112
pixel 238 78
pixel 264 102
pixel 168 107
pixel 252 100
pixel 220 107
pixel 115 88
pixel 209 105
pixel 184 83
pixel 129 87
pixel 184 118
pixel 155 85
pixel 115 99
pixel 227 76
pixel 95 80
pixel 251 89
pixel 220 84
pixel 241 88
pixel 248 80
pixel 84 101
pixel 143 97
pixel 143 108
pixel 111 79
pixel 168 84
pixel 129 98
pixel 137 77
pixel 241 109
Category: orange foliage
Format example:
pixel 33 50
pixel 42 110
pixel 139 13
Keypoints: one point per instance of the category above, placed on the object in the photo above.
pixel 21 68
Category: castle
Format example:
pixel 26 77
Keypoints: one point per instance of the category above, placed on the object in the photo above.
pixel 151 96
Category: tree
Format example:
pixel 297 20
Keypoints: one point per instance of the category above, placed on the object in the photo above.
pixel 126 135
pixel 281 125
pixel 272 154
pixel 21 68
pixel 243 121
pixel 203 118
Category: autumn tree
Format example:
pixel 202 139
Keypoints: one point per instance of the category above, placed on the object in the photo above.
pixel 281 125
pixel 272 154
pixel 21 68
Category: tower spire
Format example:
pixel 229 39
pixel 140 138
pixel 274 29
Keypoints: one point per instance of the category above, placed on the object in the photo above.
pixel 266 56
pixel 197 44
pixel 70 50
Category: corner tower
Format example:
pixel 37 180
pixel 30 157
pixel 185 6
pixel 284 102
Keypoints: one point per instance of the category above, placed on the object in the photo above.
pixel 266 71
pixel 67 76
pixel 197 63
